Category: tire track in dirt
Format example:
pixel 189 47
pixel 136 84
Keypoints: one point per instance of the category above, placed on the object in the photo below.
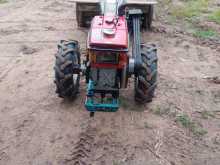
pixel 82 151
pixel 94 145
pixel 4 73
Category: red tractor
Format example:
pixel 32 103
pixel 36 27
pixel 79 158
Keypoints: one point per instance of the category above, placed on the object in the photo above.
pixel 114 54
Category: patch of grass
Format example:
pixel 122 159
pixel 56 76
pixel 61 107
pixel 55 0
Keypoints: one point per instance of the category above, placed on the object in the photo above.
pixel 207 115
pixel 130 105
pixel 199 131
pixel 3 1
pixel 147 125
pixel 205 33
pixel 186 122
pixel 161 111
pixel 115 163
pixel 190 9
pixel 182 119
pixel 123 102
pixel 215 16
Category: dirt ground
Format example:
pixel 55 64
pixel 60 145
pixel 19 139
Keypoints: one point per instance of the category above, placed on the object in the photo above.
pixel 38 128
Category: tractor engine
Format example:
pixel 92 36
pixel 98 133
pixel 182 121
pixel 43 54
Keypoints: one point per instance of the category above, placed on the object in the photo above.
pixel 107 59
pixel 103 77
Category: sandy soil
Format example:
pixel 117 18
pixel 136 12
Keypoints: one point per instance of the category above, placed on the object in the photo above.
pixel 38 128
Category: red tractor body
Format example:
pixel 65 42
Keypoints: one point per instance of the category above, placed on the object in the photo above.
pixel 108 35
pixel 107 32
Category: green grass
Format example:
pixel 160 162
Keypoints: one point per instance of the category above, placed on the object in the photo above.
pixel 190 9
pixel 207 115
pixel 115 162
pixel 215 16
pixel 182 119
pixel 3 1
pixel 190 12
pixel 205 33
pixel 130 105
pixel 147 125
pixel 123 102
pixel 161 111
pixel 186 122
pixel 199 131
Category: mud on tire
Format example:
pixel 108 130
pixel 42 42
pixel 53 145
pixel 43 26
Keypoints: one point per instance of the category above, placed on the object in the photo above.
pixel 66 68
pixel 146 79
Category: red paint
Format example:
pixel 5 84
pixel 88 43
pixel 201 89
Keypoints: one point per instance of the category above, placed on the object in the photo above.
pixel 98 38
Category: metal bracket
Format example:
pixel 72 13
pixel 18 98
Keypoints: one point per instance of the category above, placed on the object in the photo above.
pixel 93 106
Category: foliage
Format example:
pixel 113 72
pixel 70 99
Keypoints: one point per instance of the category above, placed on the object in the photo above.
pixel 129 105
pixel 205 33
pixel 123 102
pixel 3 1
pixel 186 122
pixel 161 111
pixel 190 9
pixel 207 115
pixel 215 16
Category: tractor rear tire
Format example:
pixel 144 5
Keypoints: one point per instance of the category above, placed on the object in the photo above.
pixel 67 66
pixel 146 79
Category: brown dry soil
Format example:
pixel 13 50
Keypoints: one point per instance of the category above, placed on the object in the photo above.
pixel 38 128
